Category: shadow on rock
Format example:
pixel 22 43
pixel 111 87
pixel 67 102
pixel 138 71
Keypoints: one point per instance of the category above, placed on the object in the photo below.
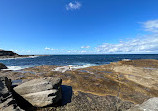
pixel 66 98
pixel 66 94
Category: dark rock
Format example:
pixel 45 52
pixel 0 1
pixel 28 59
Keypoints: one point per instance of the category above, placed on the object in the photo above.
pixel 2 66
pixel 41 92
pixel 7 103
pixel 7 53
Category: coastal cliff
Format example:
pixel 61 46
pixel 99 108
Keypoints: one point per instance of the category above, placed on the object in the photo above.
pixel 8 53
pixel 11 54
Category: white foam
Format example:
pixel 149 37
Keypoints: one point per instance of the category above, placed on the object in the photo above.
pixel 126 59
pixel 14 68
pixel 71 67
pixel 19 58
pixel 32 56
pixel 81 66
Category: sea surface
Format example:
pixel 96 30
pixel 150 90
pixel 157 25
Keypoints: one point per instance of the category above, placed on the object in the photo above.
pixel 74 60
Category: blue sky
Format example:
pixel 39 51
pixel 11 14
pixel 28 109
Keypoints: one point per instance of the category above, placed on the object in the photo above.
pixel 79 26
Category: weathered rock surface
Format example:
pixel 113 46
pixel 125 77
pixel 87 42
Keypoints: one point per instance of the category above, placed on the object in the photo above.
pixel 7 103
pixel 132 80
pixel 88 102
pixel 149 105
pixel 2 66
pixel 41 92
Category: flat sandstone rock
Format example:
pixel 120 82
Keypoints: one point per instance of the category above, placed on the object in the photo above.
pixel 41 92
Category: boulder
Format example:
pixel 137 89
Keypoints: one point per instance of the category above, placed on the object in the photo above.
pixel 7 103
pixel 2 66
pixel 149 105
pixel 41 92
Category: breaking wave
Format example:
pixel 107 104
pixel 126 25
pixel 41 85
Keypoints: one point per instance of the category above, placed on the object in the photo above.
pixel 14 68
pixel 18 58
pixel 71 67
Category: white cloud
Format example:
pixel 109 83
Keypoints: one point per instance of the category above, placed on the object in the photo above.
pixel 69 51
pixel 22 51
pixel 76 51
pixel 143 44
pixel 148 43
pixel 72 51
pixel 85 47
pixel 83 51
pixel 151 25
pixel 73 6
pixel 13 50
pixel 49 49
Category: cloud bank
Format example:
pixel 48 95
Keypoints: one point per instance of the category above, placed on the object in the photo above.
pixel 73 6
pixel 76 51
pixel 144 44
pixel 85 47
pixel 151 25
pixel 50 49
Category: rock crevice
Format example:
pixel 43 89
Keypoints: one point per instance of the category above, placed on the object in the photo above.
pixel 7 102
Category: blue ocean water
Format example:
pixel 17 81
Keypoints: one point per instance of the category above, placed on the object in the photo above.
pixel 62 60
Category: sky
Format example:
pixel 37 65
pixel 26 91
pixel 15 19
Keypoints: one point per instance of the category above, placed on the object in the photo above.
pixel 79 26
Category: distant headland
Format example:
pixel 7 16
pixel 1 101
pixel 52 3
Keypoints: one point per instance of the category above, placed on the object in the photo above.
pixel 11 54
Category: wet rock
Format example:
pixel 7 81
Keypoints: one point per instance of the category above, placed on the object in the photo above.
pixel 149 105
pixel 2 66
pixel 41 92
pixel 7 103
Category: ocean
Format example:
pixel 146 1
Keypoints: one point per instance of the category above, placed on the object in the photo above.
pixel 74 60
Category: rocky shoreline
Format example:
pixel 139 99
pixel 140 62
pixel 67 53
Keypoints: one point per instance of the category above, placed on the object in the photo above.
pixel 118 86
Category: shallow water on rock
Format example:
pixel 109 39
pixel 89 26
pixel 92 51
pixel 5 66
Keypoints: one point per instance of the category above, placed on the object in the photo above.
pixel 16 82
